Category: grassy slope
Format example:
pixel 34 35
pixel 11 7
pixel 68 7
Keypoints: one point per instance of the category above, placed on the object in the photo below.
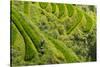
pixel 32 26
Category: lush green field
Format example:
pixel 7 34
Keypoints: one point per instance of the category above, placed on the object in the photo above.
pixel 52 33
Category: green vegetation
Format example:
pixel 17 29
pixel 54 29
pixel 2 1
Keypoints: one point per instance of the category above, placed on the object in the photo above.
pixel 52 33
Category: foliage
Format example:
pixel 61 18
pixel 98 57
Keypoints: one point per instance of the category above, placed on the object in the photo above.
pixel 52 33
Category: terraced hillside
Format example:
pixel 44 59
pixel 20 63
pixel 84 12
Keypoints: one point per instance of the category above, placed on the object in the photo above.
pixel 52 33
